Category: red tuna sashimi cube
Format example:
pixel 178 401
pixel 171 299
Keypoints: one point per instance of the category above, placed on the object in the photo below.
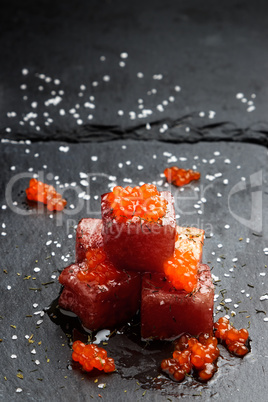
pixel 88 235
pixel 140 245
pixel 166 312
pixel 100 306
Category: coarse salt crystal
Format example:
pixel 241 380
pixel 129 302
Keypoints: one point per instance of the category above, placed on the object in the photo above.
pixel 64 149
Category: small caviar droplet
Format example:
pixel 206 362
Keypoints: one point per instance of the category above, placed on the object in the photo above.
pixel 235 340
pixel 180 177
pixel 92 356
pixel 192 354
pixel 144 202
pixel 97 268
pixel 41 192
pixel 181 270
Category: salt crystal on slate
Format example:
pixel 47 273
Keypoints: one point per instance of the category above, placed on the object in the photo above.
pixel 64 149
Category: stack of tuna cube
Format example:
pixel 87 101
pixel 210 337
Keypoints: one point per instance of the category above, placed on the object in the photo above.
pixel 137 253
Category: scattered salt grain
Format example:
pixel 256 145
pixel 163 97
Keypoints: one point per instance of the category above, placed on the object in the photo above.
pixel 64 149
pixel 36 269
pixel 211 114
pixel 157 76
pixel 102 336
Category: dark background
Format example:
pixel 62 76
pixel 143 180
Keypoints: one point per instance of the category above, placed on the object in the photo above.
pixel 203 87
pixel 212 51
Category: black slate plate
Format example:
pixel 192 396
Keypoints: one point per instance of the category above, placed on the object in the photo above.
pixel 34 238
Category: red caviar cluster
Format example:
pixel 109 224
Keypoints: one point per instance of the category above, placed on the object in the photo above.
pixel 137 203
pixel 181 270
pixel 180 177
pixel 200 355
pixel 234 339
pixel 42 192
pixel 192 354
pixel 98 268
pixel 91 356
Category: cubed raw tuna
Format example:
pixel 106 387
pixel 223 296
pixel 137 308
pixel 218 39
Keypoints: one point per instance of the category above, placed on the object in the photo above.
pixel 102 305
pixel 140 246
pixel 166 312
pixel 88 235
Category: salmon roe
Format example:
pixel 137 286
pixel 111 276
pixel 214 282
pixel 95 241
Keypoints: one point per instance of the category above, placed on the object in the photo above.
pixel 193 355
pixel 137 203
pixel 38 191
pixel 234 339
pixel 180 177
pixel 199 355
pixel 97 268
pixel 181 270
pixel 92 356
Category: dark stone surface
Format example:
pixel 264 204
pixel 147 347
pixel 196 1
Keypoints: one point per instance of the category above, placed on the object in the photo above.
pixel 25 245
pixel 212 51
